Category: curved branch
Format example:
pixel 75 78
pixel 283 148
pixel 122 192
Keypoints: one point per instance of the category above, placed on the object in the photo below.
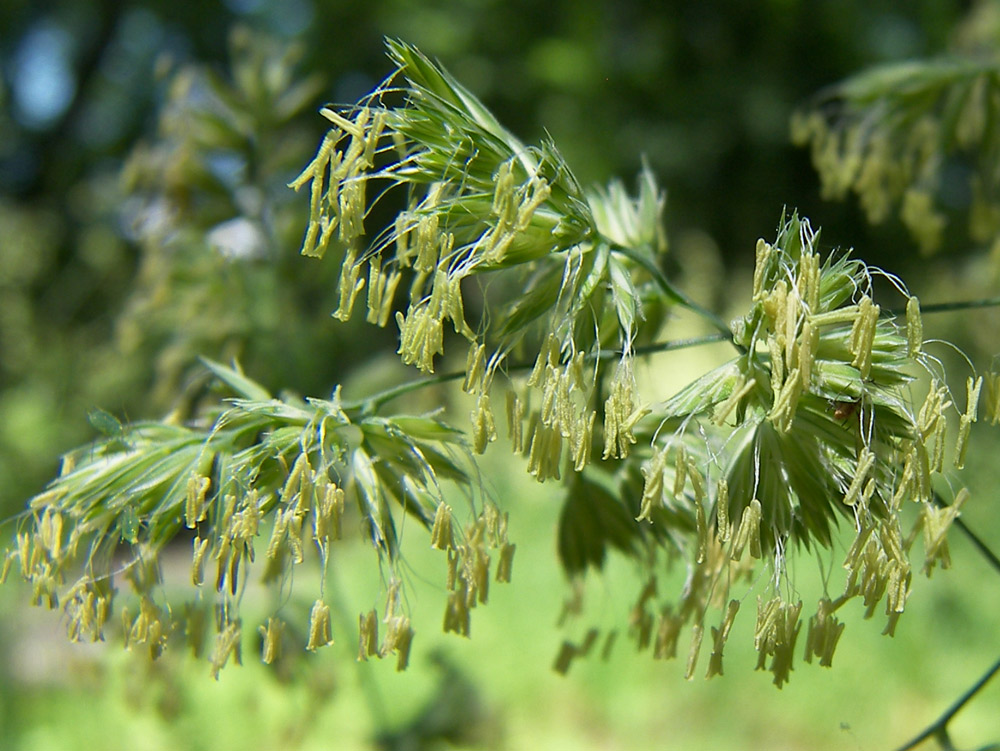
pixel 981 546
pixel 949 307
pixel 939 728
pixel 672 292
pixel 375 401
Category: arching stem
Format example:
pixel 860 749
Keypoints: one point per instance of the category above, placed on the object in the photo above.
pixel 939 729
pixel 375 401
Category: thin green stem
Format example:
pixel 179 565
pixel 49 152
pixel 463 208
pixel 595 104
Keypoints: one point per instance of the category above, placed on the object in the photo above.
pixel 375 401
pixel 672 292
pixel 949 307
pixel 981 546
pixel 939 728
pixel 667 346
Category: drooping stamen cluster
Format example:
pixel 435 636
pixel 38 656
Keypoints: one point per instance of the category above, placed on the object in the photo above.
pixel 280 471
pixel 814 422
pixel 479 202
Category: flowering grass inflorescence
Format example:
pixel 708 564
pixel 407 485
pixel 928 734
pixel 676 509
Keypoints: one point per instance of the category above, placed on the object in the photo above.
pixel 812 423
pixel 487 218
pixel 256 486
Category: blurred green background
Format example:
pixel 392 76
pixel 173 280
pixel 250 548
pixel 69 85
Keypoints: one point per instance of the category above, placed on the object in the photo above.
pixel 144 220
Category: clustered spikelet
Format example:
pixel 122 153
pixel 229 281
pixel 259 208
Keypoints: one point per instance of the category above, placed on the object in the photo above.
pixel 812 423
pixel 264 488
pixel 479 202
pixel 468 575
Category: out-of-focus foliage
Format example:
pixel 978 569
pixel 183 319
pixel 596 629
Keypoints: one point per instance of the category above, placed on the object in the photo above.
pixel 207 204
pixel 918 138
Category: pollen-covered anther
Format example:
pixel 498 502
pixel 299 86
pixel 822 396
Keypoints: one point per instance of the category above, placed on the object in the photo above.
pixel 777 364
pixel 327 513
pixel 421 337
pixel 962 442
pixel 785 401
pixel 775 306
pixel 668 630
pixel 544 452
pixel 701 525
pixel 741 388
pixel 194 507
pixel 349 286
pixel 914 327
pixel 293 483
pixel 504 193
pixel 457 617
pixel 368 635
pixel 227 644
pixel 50 533
pixel 320 630
pixel 377 282
pixel 198 561
pixel 932 410
pixel 652 489
pixel 548 355
pixel 966 420
pixel 680 470
pixel 936 522
pixel 808 280
pixel 581 440
pixel 372 137
pixel 937 456
pixel 441 530
pixel 865 462
pixel 823 634
pixel 428 242
pixel 993 397
pixel 536 193
pixel 399 640
pixel 515 421
pixel 148 627
pixel 863 335
pixel 790 331
pixel 763 255
pixel 505 562
pixel 352 209
pixel 808 341
pixel 475 366
pixel 973 389
pixel 621 413
pixel 484 429
pixel 355 128
pixel 697 632
pixel 722 525
pixel 719 637
pixel 271 636
pixel 748 533
pixel 775 636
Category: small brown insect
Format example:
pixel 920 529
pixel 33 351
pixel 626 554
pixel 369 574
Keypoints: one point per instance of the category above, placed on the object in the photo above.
pixel 842 409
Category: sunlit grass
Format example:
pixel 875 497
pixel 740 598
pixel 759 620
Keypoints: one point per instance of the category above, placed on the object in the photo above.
pixel 879 693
